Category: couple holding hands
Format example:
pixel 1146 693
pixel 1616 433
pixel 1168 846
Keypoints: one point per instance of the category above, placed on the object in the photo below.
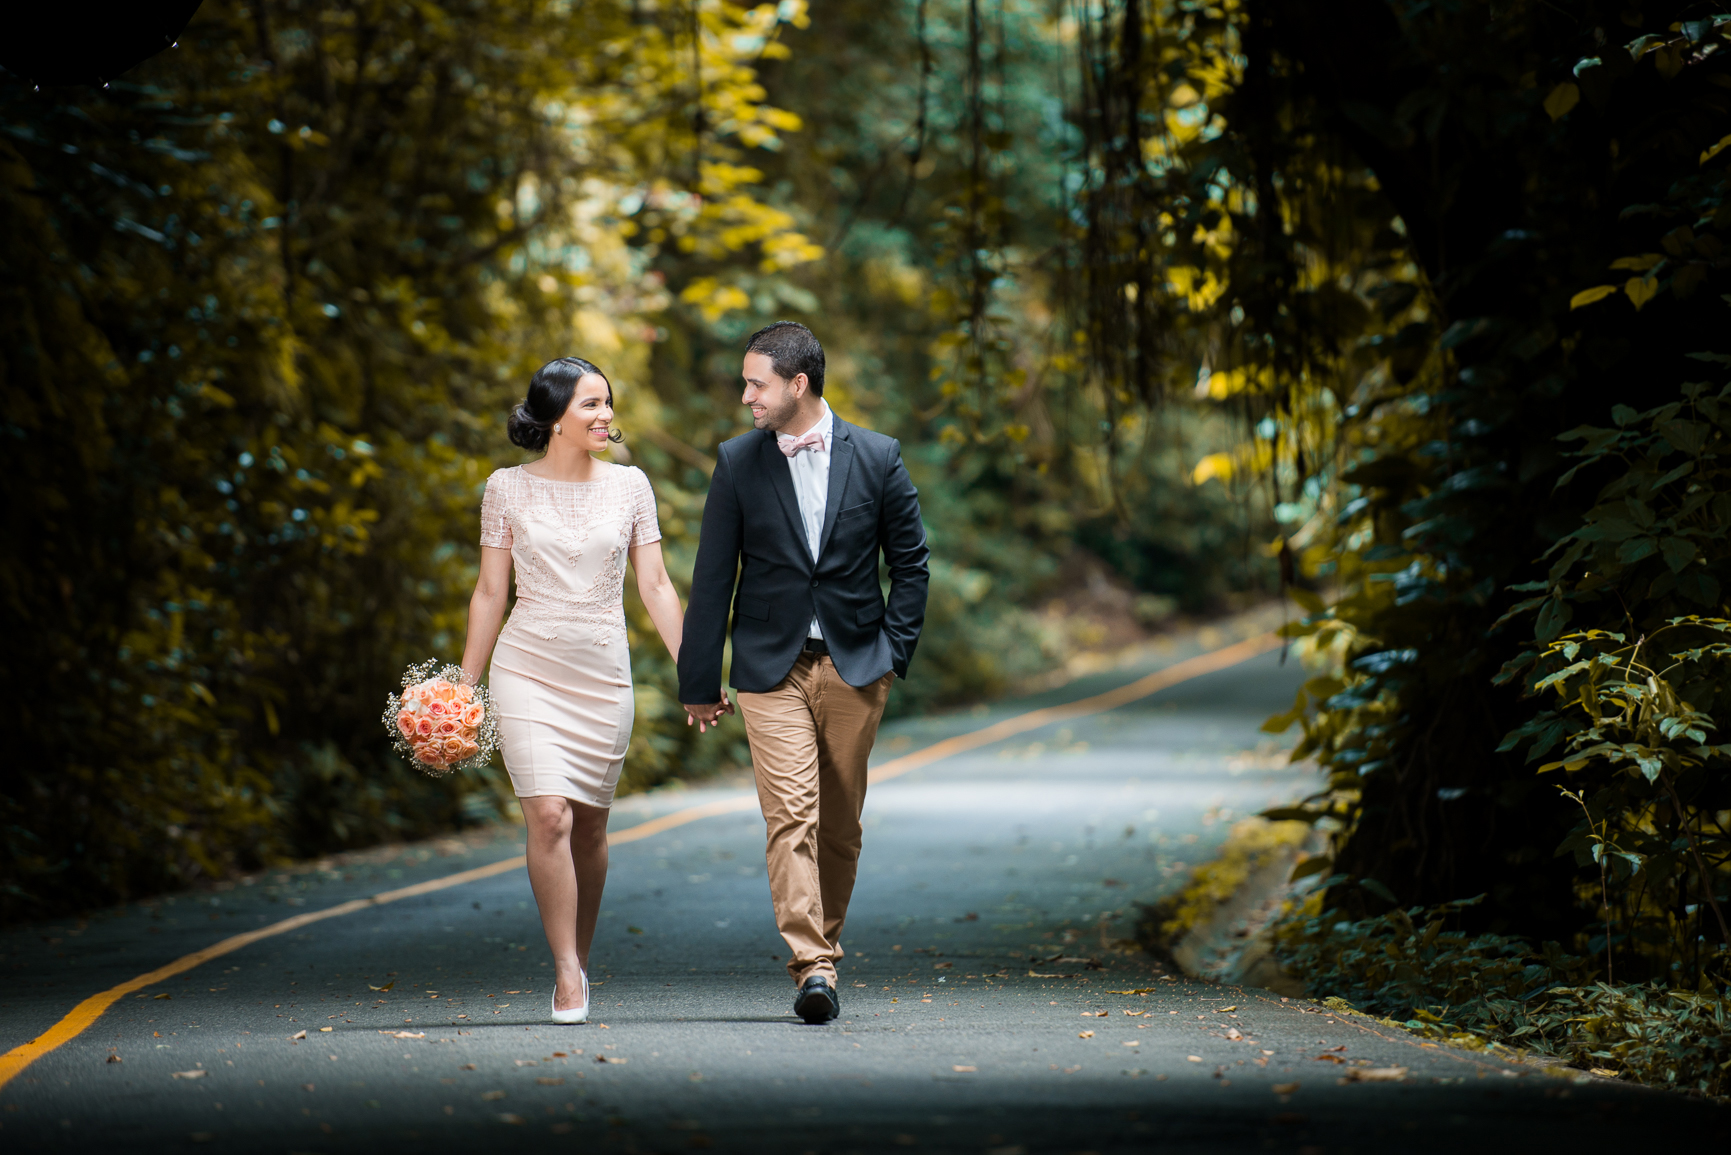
pixel 799 509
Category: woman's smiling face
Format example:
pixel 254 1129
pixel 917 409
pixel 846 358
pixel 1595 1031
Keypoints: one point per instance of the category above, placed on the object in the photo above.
pixel 589 417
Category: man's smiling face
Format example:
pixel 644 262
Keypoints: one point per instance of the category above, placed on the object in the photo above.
pixel 772 400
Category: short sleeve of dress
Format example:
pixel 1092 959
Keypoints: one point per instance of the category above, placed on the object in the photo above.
pixel 495 530
pixel 645 526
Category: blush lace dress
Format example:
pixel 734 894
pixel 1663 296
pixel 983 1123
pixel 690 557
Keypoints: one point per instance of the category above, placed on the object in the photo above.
pixel 561 672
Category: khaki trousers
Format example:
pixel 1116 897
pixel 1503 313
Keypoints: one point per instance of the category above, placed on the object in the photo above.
pixel 809 740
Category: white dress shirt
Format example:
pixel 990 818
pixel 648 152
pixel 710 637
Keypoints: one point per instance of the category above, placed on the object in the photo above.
pixel 810 468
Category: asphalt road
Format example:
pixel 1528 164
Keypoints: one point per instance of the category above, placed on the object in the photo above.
pixel 964 1026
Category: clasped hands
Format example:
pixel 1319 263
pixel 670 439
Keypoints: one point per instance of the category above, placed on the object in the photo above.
pixel 709 714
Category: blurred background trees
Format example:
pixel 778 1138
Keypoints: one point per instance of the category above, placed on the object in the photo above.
pixel 269 296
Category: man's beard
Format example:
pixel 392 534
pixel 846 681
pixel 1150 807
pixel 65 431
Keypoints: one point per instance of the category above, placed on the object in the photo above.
pixel 776 419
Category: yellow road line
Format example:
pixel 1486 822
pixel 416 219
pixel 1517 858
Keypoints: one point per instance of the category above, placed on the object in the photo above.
pixel 85 1014
pixel 1142 687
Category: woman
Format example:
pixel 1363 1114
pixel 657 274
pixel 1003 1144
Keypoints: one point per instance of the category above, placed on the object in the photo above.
pixel 561 675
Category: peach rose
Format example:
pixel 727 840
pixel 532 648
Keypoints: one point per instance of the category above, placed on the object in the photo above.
pixel 444 691
pixel 406 723
pixel 453 747
pixel 472 714
pixel 446 728
pixel 465 693
pixel 437 708
pixel 424 727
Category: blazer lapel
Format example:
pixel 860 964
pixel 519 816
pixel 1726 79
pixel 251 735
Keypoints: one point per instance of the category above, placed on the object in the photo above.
pixel 774 465
pixel 840 462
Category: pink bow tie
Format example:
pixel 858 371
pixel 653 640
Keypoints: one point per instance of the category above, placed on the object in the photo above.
pixel 792 445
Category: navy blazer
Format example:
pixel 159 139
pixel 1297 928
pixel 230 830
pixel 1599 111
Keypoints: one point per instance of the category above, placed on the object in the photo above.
pixel 752 527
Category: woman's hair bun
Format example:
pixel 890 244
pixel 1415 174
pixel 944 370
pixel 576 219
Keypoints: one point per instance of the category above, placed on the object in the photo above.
pixel 524 430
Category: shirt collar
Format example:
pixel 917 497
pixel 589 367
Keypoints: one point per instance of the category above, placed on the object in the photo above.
pixel 825 427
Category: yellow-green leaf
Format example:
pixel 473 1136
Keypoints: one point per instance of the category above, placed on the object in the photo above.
pixel 1641 290
pixel 1588 296
pixel 1562 98
pixel 1723 144
pixel 1640 264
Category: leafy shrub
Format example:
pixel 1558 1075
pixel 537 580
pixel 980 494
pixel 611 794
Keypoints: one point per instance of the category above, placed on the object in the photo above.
pixel 1409 967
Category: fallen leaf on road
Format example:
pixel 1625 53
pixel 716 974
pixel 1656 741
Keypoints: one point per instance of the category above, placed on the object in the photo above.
pixel 1194 1058
pixel 526 1062
pixel 1342 1047
pixel 1226 1010
pixel 1375 1075
pixel 1285 1088
pixel 190 1074
pixel 298 1035
pixel 943 966
pixel 1605 1071
pixel 491 1096
pixel 1268 1052
pixel 405 1034
pixel 326 1030
pixel 1329 1059
pixel 1133 1013
pixel 164 995
pixel 513 1120
pixel 547 1082
pixel 562 1055
pixel 468 1066
pixel 1038 975
pixel 960 1068
pixel 1233 1034
pixel 114 1057
pixel 1084 1034
pixel 306 1086
pixel 1130 1043
pixel 1136 991
pixel 386 987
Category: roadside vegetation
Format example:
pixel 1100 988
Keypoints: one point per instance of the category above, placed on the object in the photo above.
pixel 1461 268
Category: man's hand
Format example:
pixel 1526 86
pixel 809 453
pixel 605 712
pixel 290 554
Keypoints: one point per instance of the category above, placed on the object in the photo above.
pixel 708 715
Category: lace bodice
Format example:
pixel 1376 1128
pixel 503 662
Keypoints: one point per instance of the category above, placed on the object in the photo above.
pixel 568 543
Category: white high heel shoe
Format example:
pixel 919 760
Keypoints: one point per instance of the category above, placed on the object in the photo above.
pixel 579 1014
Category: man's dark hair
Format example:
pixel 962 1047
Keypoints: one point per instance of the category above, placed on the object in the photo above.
pixel 792 349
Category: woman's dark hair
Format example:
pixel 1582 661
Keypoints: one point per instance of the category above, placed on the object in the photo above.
pixel 550 392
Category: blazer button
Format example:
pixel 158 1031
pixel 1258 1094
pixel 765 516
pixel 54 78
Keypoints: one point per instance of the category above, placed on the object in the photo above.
pixel 814 581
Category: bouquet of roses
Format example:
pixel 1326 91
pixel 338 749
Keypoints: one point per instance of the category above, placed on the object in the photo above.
pixel 439 722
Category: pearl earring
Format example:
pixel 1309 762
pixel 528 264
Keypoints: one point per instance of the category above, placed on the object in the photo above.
pixel 557 428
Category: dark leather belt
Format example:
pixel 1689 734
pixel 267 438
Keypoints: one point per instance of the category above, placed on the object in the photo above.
pixel 817 646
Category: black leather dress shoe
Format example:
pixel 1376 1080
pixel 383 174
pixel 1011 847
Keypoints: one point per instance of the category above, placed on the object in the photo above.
pixel 817 1001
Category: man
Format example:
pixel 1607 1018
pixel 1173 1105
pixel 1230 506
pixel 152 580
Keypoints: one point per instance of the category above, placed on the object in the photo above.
pixel 800 507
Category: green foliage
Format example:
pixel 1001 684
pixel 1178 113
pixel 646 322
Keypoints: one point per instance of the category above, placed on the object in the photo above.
pixel 1381 225
pixel 266 305
pixel 1414 968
